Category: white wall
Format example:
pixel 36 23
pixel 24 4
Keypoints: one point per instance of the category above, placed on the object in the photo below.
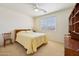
pixel 10 20
pixel 62 21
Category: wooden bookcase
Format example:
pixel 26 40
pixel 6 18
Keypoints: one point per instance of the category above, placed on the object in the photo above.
pixel 74 23
pixel 72 44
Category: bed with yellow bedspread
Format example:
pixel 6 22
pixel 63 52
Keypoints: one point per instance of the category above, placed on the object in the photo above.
pixel 31 40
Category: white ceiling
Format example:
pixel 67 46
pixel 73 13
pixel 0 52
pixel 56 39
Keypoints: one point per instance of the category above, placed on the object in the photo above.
pixel 27 8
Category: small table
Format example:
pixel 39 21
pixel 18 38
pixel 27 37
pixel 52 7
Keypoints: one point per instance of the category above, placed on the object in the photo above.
pixel 7 37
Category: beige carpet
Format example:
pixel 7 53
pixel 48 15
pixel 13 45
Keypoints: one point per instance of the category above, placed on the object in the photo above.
pixel 50 49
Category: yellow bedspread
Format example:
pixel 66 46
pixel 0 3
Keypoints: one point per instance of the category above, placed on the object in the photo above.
pixel 31 40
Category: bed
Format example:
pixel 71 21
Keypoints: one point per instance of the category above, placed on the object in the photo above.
pixel 30 40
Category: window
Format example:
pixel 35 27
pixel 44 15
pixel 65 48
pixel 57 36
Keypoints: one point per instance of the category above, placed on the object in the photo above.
pixel 48 23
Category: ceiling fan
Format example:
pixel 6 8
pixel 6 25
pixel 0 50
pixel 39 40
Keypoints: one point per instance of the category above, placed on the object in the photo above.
pixel 37 8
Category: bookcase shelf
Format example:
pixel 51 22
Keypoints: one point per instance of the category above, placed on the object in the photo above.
pixel 74 19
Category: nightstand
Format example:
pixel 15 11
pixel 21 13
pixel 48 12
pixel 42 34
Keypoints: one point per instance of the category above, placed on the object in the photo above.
pixel 7 38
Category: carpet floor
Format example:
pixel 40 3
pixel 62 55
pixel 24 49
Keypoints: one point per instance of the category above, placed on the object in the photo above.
pixel 50 49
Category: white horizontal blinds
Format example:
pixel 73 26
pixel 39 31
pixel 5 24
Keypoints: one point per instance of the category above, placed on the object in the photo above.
pixel 48 23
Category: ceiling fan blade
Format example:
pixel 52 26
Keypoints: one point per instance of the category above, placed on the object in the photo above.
pixel 42 10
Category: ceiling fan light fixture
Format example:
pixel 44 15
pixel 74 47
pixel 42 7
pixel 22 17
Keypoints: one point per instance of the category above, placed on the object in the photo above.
pixel 36 10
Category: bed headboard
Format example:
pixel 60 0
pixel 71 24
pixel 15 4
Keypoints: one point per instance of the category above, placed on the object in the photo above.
pixel 18 30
